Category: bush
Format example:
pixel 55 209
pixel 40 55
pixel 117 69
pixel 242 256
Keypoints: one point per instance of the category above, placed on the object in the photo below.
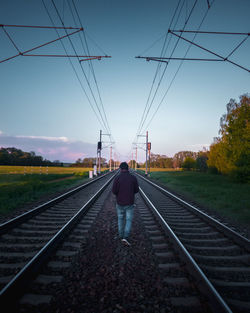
pixel 213 170
pixel 240 175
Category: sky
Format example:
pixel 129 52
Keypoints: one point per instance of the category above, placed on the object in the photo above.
pixel 57 107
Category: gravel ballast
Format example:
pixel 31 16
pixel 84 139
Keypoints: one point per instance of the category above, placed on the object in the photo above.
pixel 111 277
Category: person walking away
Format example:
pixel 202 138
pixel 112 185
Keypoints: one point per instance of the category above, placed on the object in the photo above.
pixel 124 187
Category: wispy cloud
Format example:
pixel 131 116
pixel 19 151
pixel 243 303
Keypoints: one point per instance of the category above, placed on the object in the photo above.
pixel 51 148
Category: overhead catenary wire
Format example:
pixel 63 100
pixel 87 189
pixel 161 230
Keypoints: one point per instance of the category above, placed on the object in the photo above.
pixel 73 67
pixel 163 74
pixel 91 65
pixel 97 111
pixel 86 78
pixel 166 66
pixel 102 115
pixel 157 69
pixel 177 71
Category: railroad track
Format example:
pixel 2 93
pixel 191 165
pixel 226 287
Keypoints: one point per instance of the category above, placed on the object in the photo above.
pixel 200 269
pixel 27 241
pixel 219 253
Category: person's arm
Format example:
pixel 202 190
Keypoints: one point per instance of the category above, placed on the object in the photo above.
pixel 136 186
pixel 115 187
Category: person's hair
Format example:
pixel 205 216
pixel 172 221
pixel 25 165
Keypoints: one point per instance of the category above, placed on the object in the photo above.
pixel 124 166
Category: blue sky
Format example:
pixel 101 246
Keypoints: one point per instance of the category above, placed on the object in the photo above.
pixel 44 108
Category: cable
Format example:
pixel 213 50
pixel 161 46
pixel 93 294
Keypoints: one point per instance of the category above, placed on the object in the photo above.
pixel 178 68
pixel 104 123
pixel 92 68
pixel 176 44
pixel 77 76
pixel 159 83
pixel 156 73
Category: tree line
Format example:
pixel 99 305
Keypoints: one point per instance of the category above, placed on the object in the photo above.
pixel 14 156
pixel 183 159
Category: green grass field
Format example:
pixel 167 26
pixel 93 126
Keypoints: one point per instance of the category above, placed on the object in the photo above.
pixel 5 169
pixel 213 191
pixel 17 189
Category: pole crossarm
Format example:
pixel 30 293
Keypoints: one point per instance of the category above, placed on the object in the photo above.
pixel 88 57
pixel 27 54
pixel 158 59
pixel 44 27
pixel 222 58
pixel 207 32
pixel 99 57
pixel 161 59
pixel 219 58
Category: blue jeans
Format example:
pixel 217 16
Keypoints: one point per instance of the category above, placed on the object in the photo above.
pixel 125 217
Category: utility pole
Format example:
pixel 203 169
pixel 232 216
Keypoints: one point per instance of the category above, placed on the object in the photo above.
pixel 99 150
pixel 146 171
pixel 99 153
pixel 136 158
pixel 149 150
pixel 110 160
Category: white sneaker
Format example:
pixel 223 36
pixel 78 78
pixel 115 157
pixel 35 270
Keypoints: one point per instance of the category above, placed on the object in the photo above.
pixel 126 242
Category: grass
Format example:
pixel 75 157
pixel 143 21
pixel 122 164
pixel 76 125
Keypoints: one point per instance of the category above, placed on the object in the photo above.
pixel 216 192
pixel 6 169
pixel 18 189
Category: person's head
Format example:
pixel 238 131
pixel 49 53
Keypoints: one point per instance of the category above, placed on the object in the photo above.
pixel 124 166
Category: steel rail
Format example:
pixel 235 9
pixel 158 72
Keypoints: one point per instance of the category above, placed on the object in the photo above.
pixel 242 241
pixel 215 300
pixel 12 291
pixel 25 216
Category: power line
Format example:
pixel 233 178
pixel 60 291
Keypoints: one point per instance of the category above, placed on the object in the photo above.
pixel 156 72
pixel 103 123
pixel 72 65
pixel 91 66
pixel 87 80
pixel 164 71
pixel 202 21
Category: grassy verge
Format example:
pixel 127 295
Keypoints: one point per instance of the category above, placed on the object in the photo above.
pixel 213 191
pixel 16 190
pixel 9 169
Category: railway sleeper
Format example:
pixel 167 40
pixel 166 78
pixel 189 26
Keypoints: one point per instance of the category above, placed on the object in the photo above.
pixel 213 250
pixel 224 260
pixel 192 230
pixel 238 305
pixel 25 239
pixel 217 242
pixel 20 232
pixel 186 224
pixel 210 235
pixel 38 227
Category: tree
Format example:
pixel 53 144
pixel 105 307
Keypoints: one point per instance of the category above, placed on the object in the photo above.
pixel 180 157
pixel 201 161
pixel 189 163
pixel 230 152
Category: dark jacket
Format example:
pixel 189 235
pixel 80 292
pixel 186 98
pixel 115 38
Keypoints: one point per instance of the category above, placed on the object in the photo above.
pixel 124 187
